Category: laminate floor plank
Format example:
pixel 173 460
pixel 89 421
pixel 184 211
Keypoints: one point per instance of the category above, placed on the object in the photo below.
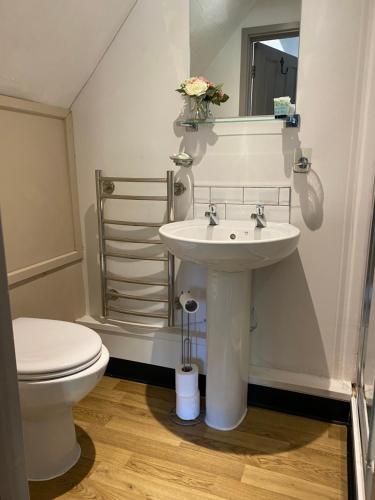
pixel 296 487
pixel 145 486
pixel 216 464
pixel 131 449
pixel 231 490
pixel 93 490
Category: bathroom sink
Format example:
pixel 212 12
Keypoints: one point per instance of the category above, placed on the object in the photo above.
pixel 229 251
pixel 230 246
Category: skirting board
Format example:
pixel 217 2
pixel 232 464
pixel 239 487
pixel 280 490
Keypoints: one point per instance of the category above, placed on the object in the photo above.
pixel 162 347
pixel 306 405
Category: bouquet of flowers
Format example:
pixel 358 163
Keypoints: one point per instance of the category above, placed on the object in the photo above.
pixel 202 92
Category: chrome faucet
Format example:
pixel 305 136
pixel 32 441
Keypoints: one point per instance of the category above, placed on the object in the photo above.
pixel 259 216
pixel 212 214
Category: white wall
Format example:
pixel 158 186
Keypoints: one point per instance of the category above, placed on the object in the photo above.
pixel 124 124
pixel 359 203
pixel 123 119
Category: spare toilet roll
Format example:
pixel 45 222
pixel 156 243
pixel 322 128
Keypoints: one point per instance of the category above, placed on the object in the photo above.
pixel 186 382
pixel 188 408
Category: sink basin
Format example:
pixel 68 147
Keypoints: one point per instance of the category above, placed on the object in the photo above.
pixel 229 251
pixel 232 245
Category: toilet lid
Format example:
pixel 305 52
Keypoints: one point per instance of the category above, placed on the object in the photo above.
pixel 47 349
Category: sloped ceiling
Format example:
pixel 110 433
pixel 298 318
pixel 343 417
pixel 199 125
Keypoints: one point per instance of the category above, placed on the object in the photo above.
pixel 211 25
pixel 48 48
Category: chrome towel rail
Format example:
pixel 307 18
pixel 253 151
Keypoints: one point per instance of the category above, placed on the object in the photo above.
pixel 130 223
pixel 105 187
pixel 114 295
pixel 138 313
pixel 133 257
pixel 133 240
pixel 133 179
pixel 132 197
pixel 136 281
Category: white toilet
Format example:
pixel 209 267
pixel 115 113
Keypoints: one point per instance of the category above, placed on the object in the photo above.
pixel 58 364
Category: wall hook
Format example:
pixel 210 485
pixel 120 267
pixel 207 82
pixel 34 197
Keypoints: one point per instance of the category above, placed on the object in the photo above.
pixel 282 62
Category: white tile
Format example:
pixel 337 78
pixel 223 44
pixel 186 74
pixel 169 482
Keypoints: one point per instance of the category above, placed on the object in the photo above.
pixel 240 212
pixel 276 214
pixel 265 195
pixel 284 196
pixel 201 208
pixel 226 195
pixel 201 194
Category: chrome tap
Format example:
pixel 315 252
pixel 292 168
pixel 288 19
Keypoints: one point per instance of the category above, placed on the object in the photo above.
pixel 259 216
pixel 212 214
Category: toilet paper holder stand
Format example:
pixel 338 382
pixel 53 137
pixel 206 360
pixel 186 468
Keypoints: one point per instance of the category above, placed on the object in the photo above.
pixel 186 344
pixel 189 305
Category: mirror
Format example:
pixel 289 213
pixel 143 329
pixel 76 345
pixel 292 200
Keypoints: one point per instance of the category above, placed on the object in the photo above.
pixel 251 46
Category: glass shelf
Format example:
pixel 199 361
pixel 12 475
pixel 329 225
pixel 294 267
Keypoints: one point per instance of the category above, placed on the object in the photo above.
pixel 290 121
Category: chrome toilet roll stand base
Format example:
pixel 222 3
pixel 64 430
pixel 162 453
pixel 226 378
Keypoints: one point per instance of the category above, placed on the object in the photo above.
pixel 185 423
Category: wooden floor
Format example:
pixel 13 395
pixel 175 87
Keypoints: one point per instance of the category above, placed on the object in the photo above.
pixel 131 450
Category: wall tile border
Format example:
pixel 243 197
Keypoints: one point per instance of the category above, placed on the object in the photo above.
pixel 238 202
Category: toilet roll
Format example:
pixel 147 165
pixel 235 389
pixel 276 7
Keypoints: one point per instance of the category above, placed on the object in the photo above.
pixel 188 408
pixel 186 382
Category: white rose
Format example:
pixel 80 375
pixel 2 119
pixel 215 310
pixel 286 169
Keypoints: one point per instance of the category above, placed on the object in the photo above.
pixel 195 87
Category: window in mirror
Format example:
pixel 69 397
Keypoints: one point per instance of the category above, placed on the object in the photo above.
pixel 269 64
pixel 218 51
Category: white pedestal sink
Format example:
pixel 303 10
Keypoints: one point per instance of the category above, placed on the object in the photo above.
pixel 229 251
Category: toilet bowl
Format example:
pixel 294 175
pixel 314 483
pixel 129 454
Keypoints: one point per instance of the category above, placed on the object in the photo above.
pixel 58 364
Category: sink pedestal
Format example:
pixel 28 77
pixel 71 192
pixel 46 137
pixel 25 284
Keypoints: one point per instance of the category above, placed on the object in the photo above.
pixel 228 348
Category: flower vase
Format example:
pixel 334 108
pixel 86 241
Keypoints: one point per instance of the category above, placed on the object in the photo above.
pixel 200 109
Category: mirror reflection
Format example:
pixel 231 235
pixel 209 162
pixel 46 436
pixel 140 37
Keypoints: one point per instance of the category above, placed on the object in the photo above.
pixel 251 46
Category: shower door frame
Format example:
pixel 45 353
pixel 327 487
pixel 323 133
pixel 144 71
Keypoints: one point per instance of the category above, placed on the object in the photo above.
pixel 363 428
pixel 362 420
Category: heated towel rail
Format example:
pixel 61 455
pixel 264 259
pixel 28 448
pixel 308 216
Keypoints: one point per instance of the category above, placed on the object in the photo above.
pixel 105 188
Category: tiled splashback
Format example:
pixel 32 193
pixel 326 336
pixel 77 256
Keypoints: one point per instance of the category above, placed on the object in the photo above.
pixel 239 202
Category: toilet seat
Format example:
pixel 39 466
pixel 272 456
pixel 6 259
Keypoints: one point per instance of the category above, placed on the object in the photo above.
pixel 47 349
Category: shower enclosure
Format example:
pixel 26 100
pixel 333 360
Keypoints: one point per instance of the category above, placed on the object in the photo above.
pixel 363 411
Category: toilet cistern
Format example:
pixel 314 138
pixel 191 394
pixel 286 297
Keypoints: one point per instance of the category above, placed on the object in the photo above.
pixel 259 216
pixel 212 214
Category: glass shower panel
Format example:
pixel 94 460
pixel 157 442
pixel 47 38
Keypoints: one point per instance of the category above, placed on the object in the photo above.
pixel 367 389
pixel 366 369
pixel 369 361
